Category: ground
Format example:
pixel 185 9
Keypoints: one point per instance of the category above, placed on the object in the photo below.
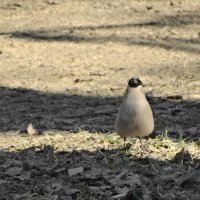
pixel 64 66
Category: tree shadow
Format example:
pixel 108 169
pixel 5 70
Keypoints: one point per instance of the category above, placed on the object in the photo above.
pixel 59 111
pixel 36 173
pixel 56 111
pixel 82 33
pixel 189 45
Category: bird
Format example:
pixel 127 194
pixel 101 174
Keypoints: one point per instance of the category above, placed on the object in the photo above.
pixel 135 117
pixel 31 130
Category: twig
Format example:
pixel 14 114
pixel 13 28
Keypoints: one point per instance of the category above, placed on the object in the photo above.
pixel 14 187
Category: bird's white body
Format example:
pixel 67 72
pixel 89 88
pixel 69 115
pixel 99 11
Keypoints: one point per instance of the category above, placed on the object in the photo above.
pixel 135 118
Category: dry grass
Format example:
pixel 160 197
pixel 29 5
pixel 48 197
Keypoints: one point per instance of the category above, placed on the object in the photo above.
pixel 64 66
pixel 162 147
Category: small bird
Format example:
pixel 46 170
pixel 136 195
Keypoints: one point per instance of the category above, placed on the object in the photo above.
pixel 31 130
pixel 135 117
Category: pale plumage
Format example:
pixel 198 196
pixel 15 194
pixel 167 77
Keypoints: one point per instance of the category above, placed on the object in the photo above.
pixel 135 118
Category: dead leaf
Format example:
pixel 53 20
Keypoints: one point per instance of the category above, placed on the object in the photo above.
pixel 94 172
pixel 117 179
pixel 56 186
pixel 146 193
pixel 119 196
pixel 71 191
pixel 133 181
pixel 75 171
pixel 99 188
pixel 25 176
pixel 14 171
pixel 170 177
pixel 193 129
pixel 122 190
pixel 186 177
pixel 119 176
pixel 59 170
pixel 2 181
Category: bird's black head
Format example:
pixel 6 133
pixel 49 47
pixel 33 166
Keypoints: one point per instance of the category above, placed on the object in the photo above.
pixel 134 82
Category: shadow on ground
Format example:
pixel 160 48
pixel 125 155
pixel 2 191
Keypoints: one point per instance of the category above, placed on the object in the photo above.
pixel 36 173
pixel 83 33
pixel 188 45
pixel 59 111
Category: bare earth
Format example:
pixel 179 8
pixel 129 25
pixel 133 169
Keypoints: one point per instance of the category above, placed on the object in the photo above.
pixel 64 66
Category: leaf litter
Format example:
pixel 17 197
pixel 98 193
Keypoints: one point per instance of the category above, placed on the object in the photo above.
pixel 39 168
pixel 44 172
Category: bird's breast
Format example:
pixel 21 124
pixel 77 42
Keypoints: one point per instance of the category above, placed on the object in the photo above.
pixel 134 119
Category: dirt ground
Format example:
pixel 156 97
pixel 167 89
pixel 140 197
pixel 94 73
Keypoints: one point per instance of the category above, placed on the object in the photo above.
pixel 64 66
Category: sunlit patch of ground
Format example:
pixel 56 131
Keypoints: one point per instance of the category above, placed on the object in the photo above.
pixel 85 166
pixel 162 147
